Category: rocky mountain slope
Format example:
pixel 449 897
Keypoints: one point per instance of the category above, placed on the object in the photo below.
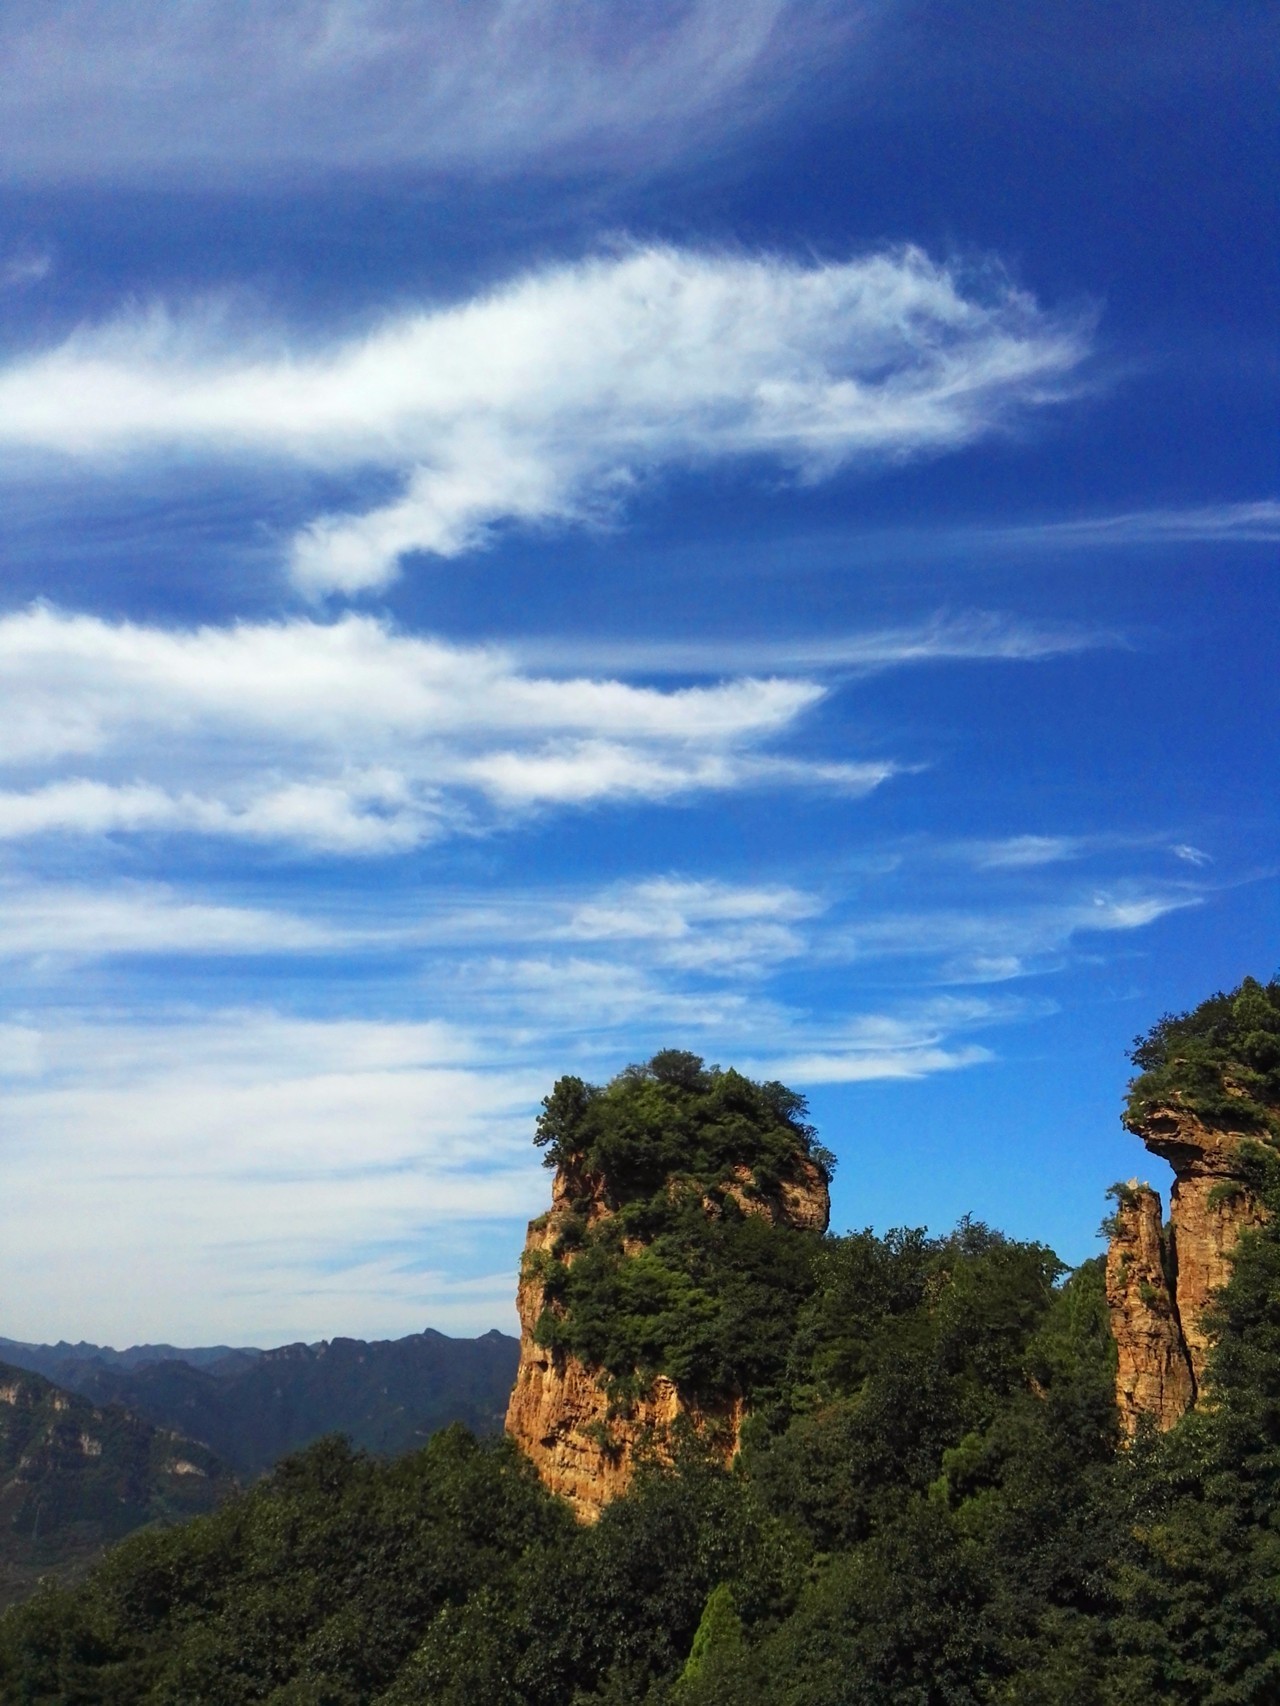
pixel 75 1476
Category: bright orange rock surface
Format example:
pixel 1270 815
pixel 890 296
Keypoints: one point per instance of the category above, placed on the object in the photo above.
pixel 1161 1279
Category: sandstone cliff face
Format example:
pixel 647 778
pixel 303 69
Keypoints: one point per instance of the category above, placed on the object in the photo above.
pixel 560 1413
pixel 1159 1281
pixel 1153 1377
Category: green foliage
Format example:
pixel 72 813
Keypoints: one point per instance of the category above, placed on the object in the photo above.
pixel 717 1644
pixel 711 1299
pixel 676 1116
pixel 1221 1061
pixel 316 1586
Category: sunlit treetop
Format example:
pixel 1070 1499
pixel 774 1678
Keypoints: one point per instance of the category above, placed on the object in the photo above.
pixel 1220 1061
pixel 675 1115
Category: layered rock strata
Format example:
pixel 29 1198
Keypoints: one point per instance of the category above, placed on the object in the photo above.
pixel 584 1447
pixel 1160 1279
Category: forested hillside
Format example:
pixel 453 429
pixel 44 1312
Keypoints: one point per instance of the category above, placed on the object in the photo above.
pixel 75 1476
pixel 931 1504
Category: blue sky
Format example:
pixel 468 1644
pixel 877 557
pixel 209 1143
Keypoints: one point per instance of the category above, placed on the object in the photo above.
pixel 534 533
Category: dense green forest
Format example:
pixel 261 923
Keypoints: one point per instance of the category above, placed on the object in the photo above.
pixel 931 1504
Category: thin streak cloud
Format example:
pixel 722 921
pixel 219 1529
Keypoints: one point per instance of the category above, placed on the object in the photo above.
pixel 1251 523
pixel 977 637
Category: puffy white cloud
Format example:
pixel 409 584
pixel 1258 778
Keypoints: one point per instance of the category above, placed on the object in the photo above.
pixel 547 399
pixel 93 90
pixel 352 737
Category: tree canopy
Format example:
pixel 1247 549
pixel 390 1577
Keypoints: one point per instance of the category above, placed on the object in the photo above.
pixel 677 1149
pixel 1220 1061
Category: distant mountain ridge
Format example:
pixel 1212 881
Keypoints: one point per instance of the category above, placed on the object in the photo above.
pixel 252 1407
pixel 59 1362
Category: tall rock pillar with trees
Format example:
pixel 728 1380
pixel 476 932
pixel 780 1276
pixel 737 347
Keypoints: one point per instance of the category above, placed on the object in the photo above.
pixel 1207 1101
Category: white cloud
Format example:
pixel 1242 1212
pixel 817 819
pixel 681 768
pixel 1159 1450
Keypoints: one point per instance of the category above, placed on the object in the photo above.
pixel 1256 522
pixel 185 1175
pixel 93 90
pixel 45 919
pixel 700 926
pixel 1191 855
pixel 224 1175
pixel 352 737
pixel 915 1042
pixel 609 1003
pixel 245 1175
pixel 992 943
pixel 546 400
pixel 1022 852
pixel 867 1066
pixel 976 637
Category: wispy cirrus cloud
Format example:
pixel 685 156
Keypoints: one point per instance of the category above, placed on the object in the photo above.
pixel 668 926
pixel 221 1182
pixel 24 266
pixel 973 636
pixel 547 400
pixel 1256 522
pixel 42 919
pixel 987 943
pixel 353 737
pixel 1025 852
pixel 917 1042
pixel 470 86
pixel 703 926
pixel 246 1172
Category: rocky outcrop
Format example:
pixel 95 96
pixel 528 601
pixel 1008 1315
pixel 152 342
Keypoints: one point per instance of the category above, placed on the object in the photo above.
pixel 584 1446
pixel 1153 1374
pixel 1161 1279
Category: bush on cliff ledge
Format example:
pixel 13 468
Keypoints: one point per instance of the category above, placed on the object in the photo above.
pixel 1220 1061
